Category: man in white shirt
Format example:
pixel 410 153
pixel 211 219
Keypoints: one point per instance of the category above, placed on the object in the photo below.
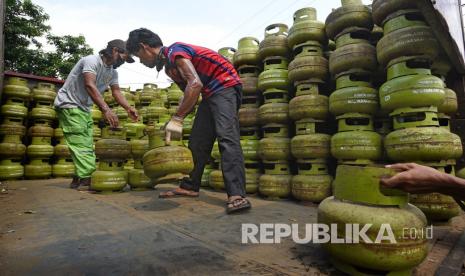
pixel 84 86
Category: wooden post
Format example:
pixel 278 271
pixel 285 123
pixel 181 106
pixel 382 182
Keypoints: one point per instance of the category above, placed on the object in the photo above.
pixel 2 44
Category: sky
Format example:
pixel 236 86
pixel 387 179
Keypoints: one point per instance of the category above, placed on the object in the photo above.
pixel 208 23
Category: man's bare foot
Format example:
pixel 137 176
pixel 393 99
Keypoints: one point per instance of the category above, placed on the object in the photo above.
pixel 178 192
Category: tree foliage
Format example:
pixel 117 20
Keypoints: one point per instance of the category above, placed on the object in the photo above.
pixel 25 26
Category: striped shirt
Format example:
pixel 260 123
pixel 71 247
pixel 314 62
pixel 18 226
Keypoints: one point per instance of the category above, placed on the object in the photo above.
pixel 215 72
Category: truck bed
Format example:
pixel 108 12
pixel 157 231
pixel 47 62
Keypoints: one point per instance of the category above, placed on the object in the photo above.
pixel 47 228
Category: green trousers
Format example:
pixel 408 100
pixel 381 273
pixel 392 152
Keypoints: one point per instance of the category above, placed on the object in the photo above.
pixel 78 132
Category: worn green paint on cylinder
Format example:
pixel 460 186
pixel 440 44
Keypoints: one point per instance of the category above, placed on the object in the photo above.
pixel 409 41
pixel 63 168
pixel 109 181
pixel 11 169
pixel 306 28
pixel 354 99
pixel 315 145
pixel 275 186
pixel 227 52
pixel 248 116
pixel 247 52
pixel 13 108
pixel 309 106
pixel 308 63
pixel 382 8
pixel 275 41
pixel 422 144
pixel 411 91
pixel 167 160
pixel 138 181
pixel 274 148
pixel 275 74
pixel 273 113
pixel 359 199
pixel 38 169
pixel 351 14
pixel 16 88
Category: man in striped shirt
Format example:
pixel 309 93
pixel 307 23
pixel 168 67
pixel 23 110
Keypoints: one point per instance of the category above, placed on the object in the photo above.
pixel 198 70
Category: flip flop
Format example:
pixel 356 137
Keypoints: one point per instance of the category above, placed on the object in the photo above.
pixel 176 193
pixel 238 204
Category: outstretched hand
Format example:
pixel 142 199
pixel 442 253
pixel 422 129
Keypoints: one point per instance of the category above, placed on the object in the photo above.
pixel 111 118
pixel 132 113
pixel 414 178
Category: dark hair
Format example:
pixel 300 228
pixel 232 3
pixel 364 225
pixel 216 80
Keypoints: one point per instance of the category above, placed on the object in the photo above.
pixel 108 51
pixel 142 35
pixel 105 52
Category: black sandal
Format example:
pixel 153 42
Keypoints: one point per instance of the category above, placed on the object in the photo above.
pixel 238 204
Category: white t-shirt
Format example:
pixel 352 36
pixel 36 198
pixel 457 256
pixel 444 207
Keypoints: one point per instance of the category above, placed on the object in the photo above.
pixel 74 94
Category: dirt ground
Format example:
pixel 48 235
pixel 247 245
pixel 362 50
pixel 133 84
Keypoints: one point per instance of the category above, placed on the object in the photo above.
pixel 46 228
